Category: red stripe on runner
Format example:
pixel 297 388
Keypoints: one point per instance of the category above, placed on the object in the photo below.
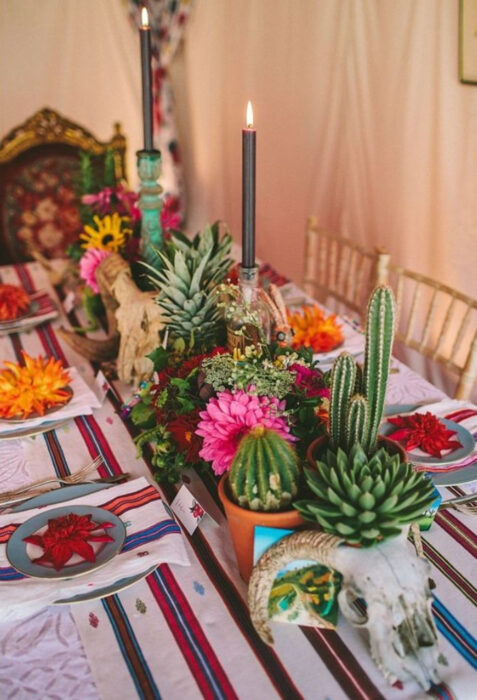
pixel 464 586
pixel 193 625
pixel 458 531
pixel 104 448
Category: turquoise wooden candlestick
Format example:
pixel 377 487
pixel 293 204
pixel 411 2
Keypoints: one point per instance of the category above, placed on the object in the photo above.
pixel 150 204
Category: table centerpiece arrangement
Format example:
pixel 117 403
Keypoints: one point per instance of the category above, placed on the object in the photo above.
pixel 365 495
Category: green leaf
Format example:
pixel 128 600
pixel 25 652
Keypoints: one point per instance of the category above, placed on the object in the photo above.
pixel 159 358
pixel 367 500
pixel 143 416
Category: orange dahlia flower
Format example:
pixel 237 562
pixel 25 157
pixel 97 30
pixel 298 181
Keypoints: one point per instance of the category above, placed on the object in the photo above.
pixel 13 302
pixel 313 329
pixel 34 387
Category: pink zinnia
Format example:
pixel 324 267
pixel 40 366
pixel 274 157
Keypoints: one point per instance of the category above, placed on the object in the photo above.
pixel 229 417
pixel 88 264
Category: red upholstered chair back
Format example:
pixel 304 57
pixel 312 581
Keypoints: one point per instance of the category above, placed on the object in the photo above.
pixel 39 181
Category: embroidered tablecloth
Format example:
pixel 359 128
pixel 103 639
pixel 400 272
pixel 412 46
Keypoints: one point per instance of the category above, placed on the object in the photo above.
pixel 184 632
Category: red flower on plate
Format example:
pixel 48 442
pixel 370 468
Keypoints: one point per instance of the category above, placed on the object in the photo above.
pixel 70 534
pixel 426 431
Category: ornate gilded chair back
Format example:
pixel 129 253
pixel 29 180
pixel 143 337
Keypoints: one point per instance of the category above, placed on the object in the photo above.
pixel 39 181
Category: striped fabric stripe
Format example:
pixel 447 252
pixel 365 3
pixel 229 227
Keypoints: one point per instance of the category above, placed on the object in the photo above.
pixel 194 645
pixel 458 531
pixel 153 533
pixel 342 664
pixel 455 633
pixel 130 649
pixel 6 532
pixel 8 573
pixel 130 501
pixel 451 573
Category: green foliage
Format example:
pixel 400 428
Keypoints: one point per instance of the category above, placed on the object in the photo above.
pixel 264 473
pixel 224 372
pixel 365 500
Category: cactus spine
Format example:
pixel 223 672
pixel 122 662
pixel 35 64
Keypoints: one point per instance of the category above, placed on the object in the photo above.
pixel 357 398
pixel 357 420
pixel 264 473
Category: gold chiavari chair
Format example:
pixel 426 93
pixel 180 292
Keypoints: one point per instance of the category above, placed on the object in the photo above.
pixel 438 322
pixel 340 273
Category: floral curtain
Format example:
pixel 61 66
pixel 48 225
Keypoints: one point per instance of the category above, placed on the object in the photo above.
pixel 168 19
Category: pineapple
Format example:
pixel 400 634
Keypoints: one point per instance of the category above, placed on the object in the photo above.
pixel 365 500
pixel 190 273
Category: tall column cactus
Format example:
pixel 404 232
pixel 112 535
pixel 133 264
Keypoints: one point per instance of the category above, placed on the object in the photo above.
pixel 343 380
pixel 357 397
pixel 379 342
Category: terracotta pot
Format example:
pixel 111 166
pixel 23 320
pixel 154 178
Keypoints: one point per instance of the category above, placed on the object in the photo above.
pixel 393 447
pixel 242 524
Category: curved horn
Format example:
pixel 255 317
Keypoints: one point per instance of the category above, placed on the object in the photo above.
pixel 308 544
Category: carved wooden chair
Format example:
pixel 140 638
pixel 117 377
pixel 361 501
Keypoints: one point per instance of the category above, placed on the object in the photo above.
pixel 340 273
pixel 39 173
pixel 438 322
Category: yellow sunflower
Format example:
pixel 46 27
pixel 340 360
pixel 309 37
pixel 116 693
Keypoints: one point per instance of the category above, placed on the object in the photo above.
pixel 111 233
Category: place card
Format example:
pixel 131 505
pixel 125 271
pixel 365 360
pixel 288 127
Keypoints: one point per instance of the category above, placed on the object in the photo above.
pixel 101 386
pixel 188 509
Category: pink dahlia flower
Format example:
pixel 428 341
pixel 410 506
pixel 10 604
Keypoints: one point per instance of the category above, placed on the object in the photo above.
pixel 229 417
pixel 88 264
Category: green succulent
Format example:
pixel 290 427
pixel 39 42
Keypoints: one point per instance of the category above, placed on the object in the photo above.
pixel 365 500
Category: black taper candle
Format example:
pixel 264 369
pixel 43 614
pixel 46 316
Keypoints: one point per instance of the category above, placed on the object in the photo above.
pixel 146 72
pixel 248 192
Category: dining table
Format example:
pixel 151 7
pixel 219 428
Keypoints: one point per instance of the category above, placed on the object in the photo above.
pixel 183 631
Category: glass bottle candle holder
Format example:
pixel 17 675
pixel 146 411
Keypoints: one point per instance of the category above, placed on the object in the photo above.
pixel 249 321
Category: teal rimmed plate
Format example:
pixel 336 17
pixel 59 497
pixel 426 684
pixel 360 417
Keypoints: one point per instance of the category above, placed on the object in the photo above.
pixel 17 550
pixel 65 493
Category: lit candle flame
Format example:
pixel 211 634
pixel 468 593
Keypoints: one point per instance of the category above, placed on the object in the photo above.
pixel 144 18
pixel 249 115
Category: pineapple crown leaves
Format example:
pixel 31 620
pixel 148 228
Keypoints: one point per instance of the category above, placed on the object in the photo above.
pixel 365 500
pixel 189 273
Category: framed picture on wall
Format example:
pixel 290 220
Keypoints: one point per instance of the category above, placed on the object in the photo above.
pixel 468 41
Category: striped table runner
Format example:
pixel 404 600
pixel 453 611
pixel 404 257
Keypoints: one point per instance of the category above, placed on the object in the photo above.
pixel 184 632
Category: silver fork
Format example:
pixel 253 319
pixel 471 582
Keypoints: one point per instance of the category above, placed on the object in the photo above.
pixel 75 478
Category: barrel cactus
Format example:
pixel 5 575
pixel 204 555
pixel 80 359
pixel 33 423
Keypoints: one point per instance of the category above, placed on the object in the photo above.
pixel 357 398
pixel 365 500
pixel 264 473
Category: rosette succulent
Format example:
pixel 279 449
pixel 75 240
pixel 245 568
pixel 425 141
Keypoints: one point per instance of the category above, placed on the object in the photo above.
pixel 365 500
